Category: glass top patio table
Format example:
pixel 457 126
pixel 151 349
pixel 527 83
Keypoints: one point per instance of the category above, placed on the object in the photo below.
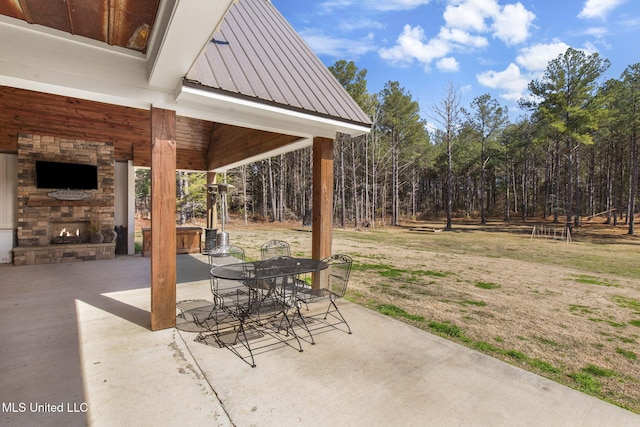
pixel 268 269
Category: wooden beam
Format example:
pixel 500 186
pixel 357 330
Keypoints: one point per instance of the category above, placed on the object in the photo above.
pixel 322 216
pixel 230 144
pixel 163 219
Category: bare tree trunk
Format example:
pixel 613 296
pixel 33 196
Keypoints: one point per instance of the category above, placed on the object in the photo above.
pixel 507 208
pixel 633 181
pixel 609 184
pixel 182 193
pixel 414 193
pixel 576 189
pixel 244 195
pixel 449 188
pixel 338 192
pixel 395 184
pixel 524 183
pixel 272 192
pixel 448 113
pixel 356 210
pixel 374 183
pixel 591 182
pixel 514 186
pixel 556 184
pixel 281 188
pixel 265 192
pixel 569 191
pixel 483 162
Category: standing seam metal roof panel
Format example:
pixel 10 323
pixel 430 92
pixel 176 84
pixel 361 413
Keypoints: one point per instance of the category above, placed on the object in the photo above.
pixel 257 43
pixel 293 60
pixel 276 61
pixel 257 54
pixel 235 69
pixel 301 58
pixel 327 83
pixel 327 89
pixel 321 81
pixel 239 55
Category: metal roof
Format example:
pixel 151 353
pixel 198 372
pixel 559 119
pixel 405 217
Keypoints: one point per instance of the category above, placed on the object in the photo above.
pixel 256 54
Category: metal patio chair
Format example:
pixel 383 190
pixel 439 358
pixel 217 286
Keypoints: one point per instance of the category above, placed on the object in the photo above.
pixel 235 252
pixel 211 316
pixel 274 249
pixel 337 275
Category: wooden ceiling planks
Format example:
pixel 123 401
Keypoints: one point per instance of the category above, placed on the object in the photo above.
pixel 26 111
pixel 126 24
pixel 200 144
pixel 231 144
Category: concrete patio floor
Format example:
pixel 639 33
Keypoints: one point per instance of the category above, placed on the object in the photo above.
pixel 75 337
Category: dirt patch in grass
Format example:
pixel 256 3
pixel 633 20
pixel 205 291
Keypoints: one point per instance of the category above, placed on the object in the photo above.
pixel 566 311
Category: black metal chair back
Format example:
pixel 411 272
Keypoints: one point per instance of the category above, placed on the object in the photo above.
pixel 339 271
pixel 237 252
pixel 274 249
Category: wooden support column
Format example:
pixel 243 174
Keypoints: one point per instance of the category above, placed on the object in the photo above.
pixel 322 198
pixel 163 219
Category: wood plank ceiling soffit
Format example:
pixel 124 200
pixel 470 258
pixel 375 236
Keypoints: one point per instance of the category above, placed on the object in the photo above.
pixel 123 23
pixel 200 144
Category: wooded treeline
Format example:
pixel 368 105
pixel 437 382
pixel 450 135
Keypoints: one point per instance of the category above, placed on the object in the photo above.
pixel 574 154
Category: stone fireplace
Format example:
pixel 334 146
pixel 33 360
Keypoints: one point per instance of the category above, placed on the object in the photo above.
pixel 43 213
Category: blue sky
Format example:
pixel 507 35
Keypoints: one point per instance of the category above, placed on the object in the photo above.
pixel 479 46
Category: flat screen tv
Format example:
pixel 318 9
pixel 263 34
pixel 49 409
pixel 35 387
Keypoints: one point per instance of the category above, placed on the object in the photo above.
pixel 72 176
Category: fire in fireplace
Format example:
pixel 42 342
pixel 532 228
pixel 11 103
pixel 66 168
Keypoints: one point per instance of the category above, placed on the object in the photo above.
pixel 66 236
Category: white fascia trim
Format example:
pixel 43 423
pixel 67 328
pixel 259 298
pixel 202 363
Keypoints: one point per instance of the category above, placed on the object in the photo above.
pixel 40 31
pixel 243 112
pixel 124 96
pixel 183 29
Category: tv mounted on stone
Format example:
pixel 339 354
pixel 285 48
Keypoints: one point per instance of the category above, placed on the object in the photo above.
pixel 69 176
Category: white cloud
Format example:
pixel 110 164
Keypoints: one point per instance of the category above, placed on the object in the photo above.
pixel 466 89
pixel 537 57
pixel 395 4
pixel 511 83
pixel 466 24
pixel 374 5
pixel 597 32
pixel 470 14
pixel 462 37
pixel 598 8
pixel 322 44
pixel 630 22
pixel 367 24
pixel 589 48
pixel 512 24
pixel 448 64
pixel 411 45
pixel 532 61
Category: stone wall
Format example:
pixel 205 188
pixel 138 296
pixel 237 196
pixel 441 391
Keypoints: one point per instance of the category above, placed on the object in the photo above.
pixel 55 254
pixel 40 216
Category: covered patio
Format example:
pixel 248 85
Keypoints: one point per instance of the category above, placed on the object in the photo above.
pixel 164 87
pixel 77 335
pixel 170 85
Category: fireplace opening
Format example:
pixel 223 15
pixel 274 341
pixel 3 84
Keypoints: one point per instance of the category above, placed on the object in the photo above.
pixel 70 232
pixel 67 236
